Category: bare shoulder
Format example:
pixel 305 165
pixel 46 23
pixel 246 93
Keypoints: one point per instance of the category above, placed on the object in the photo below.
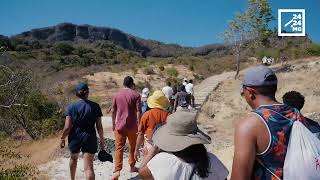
pixel 248 123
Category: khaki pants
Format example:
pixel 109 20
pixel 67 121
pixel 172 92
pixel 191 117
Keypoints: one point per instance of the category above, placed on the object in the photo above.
pixel 120 141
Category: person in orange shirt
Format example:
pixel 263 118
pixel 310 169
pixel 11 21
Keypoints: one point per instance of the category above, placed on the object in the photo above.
pixel 155 117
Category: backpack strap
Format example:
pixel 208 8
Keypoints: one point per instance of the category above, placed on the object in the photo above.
pixel 269 170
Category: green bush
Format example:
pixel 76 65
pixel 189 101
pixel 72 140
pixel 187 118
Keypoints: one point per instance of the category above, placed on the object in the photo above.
pixel 313 50
pixel 81 51
pixel 18 172
pixel 32 111
pixel 172 72
pixel 161 68
pixel 63 48
pixel 148 71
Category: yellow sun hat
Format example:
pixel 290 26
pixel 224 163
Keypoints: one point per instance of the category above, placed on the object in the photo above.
pixel 158 100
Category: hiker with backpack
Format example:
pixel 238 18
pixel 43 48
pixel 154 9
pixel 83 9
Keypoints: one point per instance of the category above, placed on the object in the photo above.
pixel 82 118
pixel 182 100
pixel 262 136
pixel 155 117
pixel 296 100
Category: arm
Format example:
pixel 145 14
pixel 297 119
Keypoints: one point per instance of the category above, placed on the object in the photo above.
pixel 152 152
pixel 114 113
pixel 138 145
pixel 100 132
pixel 145 173
pixel 175 103
pixel 245 149
pixel 138 108
pixel 66 130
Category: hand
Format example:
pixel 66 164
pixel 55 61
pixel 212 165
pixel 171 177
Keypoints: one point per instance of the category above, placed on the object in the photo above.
pixel 62 143
pixel 102 144
pixel 136 155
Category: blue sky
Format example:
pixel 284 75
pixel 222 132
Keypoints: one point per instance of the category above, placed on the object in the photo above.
pixel 185 22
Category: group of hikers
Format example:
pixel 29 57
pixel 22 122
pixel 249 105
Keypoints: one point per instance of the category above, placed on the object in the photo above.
pixel 163 128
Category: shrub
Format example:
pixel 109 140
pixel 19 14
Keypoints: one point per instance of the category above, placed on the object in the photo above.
pixel 191 68
pixel 22 47
pixel 27 107
pixel 148 71
pixel 161 68
pixel 63 48
pixel 313 50
pixel 11 167
pixel 140 85
pixel 172 72
pixel 18 172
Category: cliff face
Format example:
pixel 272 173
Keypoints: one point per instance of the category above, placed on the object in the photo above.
pixel 75 33
pixel 72 32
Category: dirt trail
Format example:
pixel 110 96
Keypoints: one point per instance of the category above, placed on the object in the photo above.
pixel 221 106
pixel 58 168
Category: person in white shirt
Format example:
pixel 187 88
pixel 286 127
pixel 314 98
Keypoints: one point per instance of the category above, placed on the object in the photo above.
pixel 168 92
pixel 185 81
pixel 182 152
pixel 189 90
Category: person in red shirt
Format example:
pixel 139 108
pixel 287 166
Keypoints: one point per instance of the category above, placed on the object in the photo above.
pixel 150 120
pixel 126 111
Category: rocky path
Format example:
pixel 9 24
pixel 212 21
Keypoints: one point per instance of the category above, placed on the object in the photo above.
pixel 59 168
pixel 207 86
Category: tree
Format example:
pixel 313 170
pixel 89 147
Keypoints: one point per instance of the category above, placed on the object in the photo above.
pixel 259 14
pixel 249 28
pixel 238 33
pixel 22 105
pixel 63 48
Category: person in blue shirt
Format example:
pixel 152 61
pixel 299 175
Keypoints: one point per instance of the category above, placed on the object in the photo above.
pixel 82 117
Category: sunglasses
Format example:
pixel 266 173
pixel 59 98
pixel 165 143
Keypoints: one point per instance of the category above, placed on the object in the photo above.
pixel 242 90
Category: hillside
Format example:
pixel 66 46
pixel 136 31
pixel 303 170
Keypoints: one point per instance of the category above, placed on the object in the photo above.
pixel 91 34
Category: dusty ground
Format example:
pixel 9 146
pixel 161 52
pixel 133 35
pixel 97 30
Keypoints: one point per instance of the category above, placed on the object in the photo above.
pixel 225 105
pixel 103 85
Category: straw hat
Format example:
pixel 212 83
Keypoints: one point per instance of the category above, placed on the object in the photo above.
pixel 158 100
pixel 180 132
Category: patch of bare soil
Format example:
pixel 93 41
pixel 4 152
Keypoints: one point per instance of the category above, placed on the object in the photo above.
pixel 103 85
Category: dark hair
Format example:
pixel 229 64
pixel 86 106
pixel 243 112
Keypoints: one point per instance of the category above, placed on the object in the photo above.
pixel 182 88
pixel 196 154
pixel 293 99
pixel 168 83
pixel 190 81
pixel 269 91
pixel 128 82
pixel 82 94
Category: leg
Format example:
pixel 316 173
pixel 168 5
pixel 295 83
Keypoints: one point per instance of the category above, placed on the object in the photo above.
pixel 73 164
pixel 132 138
pixel 88 166
pixel 120 141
